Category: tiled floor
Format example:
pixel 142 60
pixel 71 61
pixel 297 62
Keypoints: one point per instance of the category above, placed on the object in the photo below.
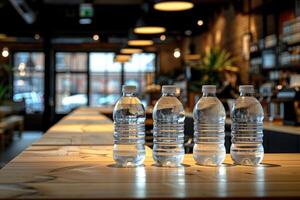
pixel 17 145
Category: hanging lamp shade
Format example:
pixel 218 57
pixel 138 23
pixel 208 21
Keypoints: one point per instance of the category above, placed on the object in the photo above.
pixel 147 25
pixel 121 58
pixel 131 50
pixel 149 30
pixel 138 40
pixel 173 5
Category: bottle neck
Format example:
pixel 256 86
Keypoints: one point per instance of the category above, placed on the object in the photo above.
pixel 209 94
pixel 128 94
pixel 167 94
pixel 246 94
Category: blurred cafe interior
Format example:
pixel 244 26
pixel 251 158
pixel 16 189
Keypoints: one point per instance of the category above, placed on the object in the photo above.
pixel 59 55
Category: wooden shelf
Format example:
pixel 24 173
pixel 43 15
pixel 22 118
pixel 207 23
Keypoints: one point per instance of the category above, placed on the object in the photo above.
pixel 292 67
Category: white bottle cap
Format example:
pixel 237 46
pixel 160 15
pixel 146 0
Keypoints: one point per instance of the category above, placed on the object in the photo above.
pixel 246 89
pixel 209 88
pixel 169 89
pixel 129 89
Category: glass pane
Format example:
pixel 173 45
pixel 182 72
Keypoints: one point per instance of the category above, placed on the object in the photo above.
pixel 29 61
pixel 71 61
pixel 101 62
pixel 105 79
pixel 143 62
pixel 134 78
pixel 140 70
pixel 70 91
pixel 28 82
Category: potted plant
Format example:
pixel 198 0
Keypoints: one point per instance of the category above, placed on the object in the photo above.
pixel 207 70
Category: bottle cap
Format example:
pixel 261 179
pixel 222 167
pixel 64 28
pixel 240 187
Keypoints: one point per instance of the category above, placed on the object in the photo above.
pixel 246 89
pixel 129 89
pixel 169 89
pixel 209 89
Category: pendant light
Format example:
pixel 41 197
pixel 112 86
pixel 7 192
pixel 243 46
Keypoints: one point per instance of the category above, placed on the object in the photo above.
pixel 173 5
pixel 5 52
pixel 177 53
pixel 146 25
pixel 131 50
pixel 138 40
pixel 121 58
pixel 149 30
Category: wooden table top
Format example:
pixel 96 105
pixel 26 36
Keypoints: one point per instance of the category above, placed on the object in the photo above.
pixel 74 161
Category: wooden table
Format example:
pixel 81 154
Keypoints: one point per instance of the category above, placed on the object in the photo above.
pixel 74 160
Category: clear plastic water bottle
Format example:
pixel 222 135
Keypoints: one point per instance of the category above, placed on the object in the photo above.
pixel 129 134
pixel 168 116
pixel 209 128
pixel 247 128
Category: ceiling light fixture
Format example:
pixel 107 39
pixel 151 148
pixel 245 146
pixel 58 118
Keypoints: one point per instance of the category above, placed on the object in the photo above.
pixel 140 42
pixel 5 52
pixel 149 30
pixel 96 37
pixel 163 37
pixel 37 36
pixel 177 53
pixel 121 58
pixel 200 22
pixel 168 5
pixel 131 50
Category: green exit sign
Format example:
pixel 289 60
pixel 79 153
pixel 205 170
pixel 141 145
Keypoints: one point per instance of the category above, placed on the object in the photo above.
pixel 86 10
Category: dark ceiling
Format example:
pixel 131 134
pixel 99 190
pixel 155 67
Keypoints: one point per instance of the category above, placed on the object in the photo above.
pixel 112 18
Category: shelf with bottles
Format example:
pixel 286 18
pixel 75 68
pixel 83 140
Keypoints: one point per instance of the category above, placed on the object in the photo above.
pixel 280 77
pixel 291 68
pixel 255 65
pixel 263 54
pixel 276 58
pixel 291 32
pixel 290 58
pixel 256 48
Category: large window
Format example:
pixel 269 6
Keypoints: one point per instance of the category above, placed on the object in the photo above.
pixel 71 81
pixel 76 71
pixel 140 70
pixel 105 79
pixel 28 82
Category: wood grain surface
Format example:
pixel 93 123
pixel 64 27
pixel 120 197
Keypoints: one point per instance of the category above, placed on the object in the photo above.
pixel 72 161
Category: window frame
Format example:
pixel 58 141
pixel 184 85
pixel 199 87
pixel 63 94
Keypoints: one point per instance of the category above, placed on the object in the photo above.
pixel 12 75
pixel 88 72
pixel 85 72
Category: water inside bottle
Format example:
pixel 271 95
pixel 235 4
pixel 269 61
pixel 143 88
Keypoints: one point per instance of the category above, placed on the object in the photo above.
pixel 247 129
pixel 168 116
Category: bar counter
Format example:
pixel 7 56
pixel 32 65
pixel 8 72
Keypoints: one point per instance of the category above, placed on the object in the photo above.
pixel 268 126
pixel 74 160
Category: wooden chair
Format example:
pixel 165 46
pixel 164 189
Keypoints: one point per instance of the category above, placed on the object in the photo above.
pixel 18 123
pixel 11 123
pixel 7 129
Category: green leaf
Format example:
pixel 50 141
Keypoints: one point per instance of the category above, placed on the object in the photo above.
pixel 211 65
